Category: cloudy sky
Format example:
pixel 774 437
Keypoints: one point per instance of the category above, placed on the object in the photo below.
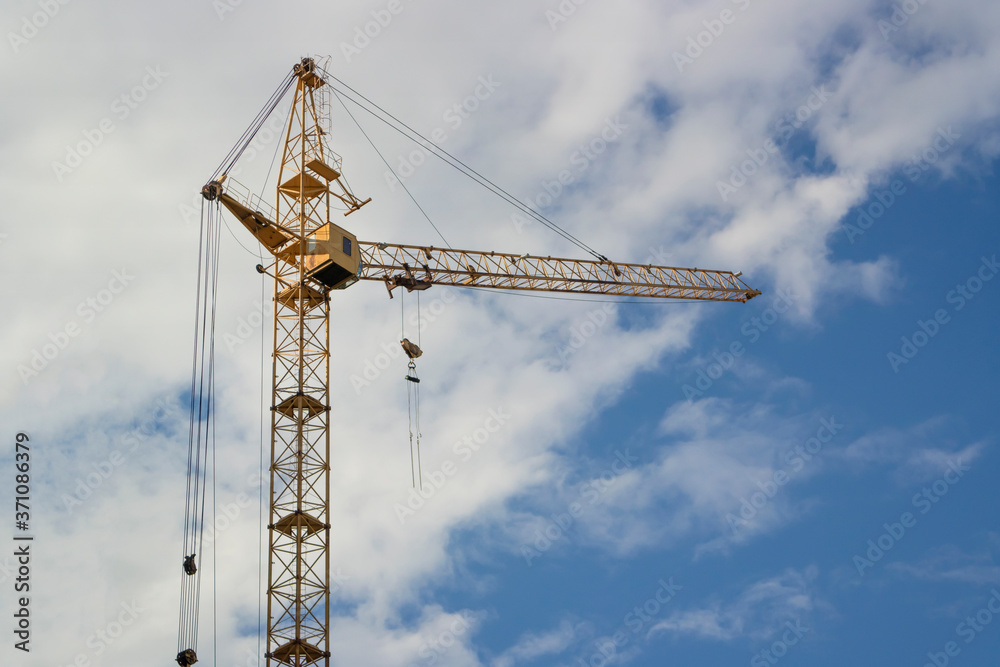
pixel 804 478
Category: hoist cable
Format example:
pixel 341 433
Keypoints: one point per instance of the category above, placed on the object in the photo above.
pixel 274 158
pixel 201 431
pixel 215 547
pixel 409 404
pixel 194 374
pixel 244 141
pixel 260 479
pixel 412 394
pixel 416 412
pixel 413 415
pixel 206 403
pixel 210 408
pixel 409 417
pixel 185 592
pixel 458 164
pixel 416 393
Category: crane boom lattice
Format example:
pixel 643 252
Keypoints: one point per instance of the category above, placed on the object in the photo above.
pixel 418 266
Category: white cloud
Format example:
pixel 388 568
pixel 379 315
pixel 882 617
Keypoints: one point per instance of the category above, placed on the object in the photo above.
pixel 952 564
pixel 918 454
pixel 532 646
pixel 757 612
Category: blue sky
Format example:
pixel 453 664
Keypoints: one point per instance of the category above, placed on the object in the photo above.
pixel 804 479
pixel 942 569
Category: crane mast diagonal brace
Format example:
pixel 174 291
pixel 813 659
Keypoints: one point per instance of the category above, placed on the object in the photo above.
pixel 298 592
pixel 313 256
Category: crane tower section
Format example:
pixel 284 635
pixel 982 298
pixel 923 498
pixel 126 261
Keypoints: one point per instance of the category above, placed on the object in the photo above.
pixel 311 256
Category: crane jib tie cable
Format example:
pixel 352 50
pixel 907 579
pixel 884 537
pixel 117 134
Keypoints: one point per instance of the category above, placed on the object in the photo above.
pixel 399 126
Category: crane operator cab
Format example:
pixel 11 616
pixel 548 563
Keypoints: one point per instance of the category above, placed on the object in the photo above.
pixel 332 257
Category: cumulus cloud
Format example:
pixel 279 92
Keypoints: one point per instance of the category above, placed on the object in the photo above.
pixel 917 454
pixel 952 564
pixel 758 612
pixel 532 646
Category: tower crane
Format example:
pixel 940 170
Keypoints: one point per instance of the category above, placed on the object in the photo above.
pixel 311 259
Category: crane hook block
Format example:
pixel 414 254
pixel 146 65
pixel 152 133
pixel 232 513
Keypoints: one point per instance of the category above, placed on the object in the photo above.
pixel 187 657
pixel 189 566
pixel 412 351
pixel 411 372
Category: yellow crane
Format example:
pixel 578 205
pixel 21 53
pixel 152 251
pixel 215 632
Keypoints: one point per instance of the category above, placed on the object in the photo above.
pixel 312 257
